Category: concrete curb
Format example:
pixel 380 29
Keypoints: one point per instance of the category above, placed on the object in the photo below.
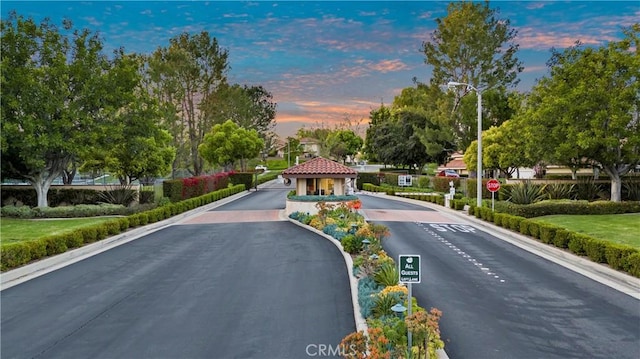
pixel 27 272
pixel 361 323
pixel 603 274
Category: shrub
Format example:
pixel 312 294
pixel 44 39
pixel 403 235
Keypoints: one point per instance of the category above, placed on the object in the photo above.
pixel 37 249
pixel 526 192
pixel 524 228
pixel 562 238
pixel 55 245
pixel 387 275
pixel 595 250
pixel 351 244
pixel 383 303
pixel 617 255
pixel 587 189
pixel 73 239
pixel 15 254
pixel 631 191
pixel 547 233
pixel 123 195
pixel 497 218
pixel 633 263
pixel 514 223
pixel 367 293
pixel 534 229
pixel 89 234
pixel 577 243
pixel 559 190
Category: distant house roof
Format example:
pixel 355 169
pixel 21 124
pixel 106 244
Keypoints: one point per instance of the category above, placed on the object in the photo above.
pixel 456 163
pixel 320 167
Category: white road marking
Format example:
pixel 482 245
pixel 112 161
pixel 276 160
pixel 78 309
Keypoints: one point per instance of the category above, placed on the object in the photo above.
pixel 442 227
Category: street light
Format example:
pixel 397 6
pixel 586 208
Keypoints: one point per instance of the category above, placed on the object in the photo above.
pixel 479 166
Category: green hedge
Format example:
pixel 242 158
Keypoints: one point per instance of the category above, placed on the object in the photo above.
pixel 367 178
pixel 546 208
pixel 17 254
pixel 56 196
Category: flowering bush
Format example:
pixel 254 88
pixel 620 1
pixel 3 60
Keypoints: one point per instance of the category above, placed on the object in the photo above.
pixel 395 289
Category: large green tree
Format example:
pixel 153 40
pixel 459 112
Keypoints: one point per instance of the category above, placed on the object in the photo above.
pixel 227 143
pixel 344 143
pixel 588 108
pixel 58 89
pixel 251 107
pixel 472 45
pixel 187 74
pixel 134 147
pixel 392 138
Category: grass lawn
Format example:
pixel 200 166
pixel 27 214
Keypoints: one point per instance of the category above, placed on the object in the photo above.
pixel 619 228
pixel 16 230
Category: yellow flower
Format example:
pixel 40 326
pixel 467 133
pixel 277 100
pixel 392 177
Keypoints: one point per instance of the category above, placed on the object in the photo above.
pixel 393 289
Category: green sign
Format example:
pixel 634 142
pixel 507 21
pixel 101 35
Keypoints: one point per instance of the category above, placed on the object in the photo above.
pixel 409 268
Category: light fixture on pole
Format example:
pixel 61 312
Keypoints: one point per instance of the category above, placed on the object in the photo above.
pixel 479 166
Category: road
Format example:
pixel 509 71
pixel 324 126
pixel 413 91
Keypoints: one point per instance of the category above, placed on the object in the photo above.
pixel 235 282
pixel 499 301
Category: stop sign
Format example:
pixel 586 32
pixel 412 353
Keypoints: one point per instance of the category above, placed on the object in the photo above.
pixel 493 185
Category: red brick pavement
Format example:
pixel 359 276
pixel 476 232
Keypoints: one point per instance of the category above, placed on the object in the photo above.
pixel 235 216
pixel 407 216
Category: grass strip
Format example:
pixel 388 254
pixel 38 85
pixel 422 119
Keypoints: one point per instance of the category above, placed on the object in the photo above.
pixel 16 230
pixel 618 228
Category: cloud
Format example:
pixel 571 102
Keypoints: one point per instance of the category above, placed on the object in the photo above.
pixel 93 21
pixel 235 16
pixel 389 66
pixel 535 5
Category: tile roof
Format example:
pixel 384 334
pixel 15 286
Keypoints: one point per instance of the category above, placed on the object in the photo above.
pixel 319 167
pixel 456 164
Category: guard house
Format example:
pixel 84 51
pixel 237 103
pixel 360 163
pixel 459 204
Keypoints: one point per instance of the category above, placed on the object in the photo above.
pixel 319 177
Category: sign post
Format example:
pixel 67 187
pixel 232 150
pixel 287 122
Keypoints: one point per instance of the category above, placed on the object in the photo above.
pixel 493 185
pixel 409 273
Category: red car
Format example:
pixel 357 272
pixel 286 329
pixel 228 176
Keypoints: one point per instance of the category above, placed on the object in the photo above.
pixel 448 173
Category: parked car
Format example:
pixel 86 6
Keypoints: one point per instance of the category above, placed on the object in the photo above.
pixel 261 168
pixel 448 173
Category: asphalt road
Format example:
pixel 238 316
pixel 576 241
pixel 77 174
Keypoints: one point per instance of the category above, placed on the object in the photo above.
pixel 221 290
pixel 499 301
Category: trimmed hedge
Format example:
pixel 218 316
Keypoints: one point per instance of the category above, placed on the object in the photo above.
pixel 546 208
pixel 17 254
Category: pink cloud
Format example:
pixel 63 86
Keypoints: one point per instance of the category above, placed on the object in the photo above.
pixel 389 66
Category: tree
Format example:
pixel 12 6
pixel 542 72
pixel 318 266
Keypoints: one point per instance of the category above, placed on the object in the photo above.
pixel 588 108
pixel 57 91
pixel 228 143
pixel 249 107
pixel 503 150
pixel 373 144
pixel 344 143
pixel 188 73
pixel 134 147
pixel 392 138
pixel 470 45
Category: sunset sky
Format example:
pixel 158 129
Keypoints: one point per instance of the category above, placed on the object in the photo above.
pixel 327 60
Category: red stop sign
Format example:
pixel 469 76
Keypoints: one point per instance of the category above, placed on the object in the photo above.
pixel 493 185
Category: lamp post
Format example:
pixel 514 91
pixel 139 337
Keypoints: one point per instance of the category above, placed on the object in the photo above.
pixel 479 166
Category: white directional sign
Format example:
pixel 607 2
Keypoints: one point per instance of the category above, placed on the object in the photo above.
pixel 409 268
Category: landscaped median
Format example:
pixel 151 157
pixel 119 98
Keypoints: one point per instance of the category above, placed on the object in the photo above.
pixel 378 290
pixel 20 253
